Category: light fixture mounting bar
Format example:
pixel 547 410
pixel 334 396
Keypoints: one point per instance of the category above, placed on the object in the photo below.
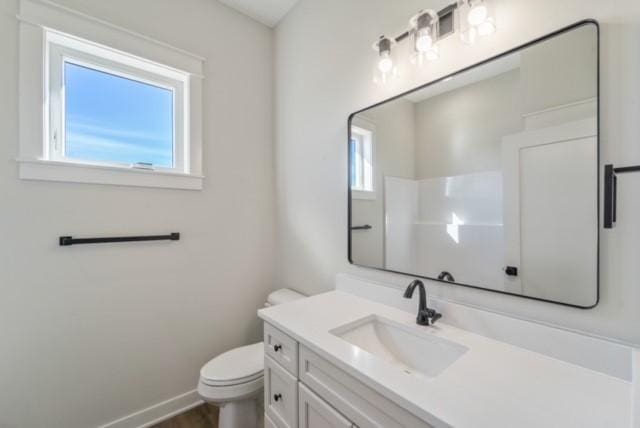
pixel 445 14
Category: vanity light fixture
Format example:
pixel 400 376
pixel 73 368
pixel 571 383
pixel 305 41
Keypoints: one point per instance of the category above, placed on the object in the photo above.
pixel 469 18
pixel 424 28
pixel 385 68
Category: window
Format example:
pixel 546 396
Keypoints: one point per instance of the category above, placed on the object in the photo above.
pixel 361 158
pixel 109 109
pixel 102 104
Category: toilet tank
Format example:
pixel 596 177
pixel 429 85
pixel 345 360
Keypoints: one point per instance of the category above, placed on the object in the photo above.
pixel 283 295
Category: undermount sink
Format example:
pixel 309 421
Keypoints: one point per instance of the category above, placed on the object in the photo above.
pixel 412 349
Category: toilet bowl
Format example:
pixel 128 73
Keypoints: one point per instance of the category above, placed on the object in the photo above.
pixel 234 379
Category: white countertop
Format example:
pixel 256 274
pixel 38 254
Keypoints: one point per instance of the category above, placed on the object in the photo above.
pixel 492 385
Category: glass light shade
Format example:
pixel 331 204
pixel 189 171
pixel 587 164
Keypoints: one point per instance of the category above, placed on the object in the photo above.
pixel 382 78
pixel 474 19
pixel 477 15
pixel 423 40
pixel 420 58
pixel 423 27
pixel 385 64
pixel 385 67
pixel 433 53
pixel 469 36
pixel 486 28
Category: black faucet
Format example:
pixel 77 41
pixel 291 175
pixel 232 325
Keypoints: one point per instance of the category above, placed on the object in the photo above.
pixel 446 276
pixel 426 316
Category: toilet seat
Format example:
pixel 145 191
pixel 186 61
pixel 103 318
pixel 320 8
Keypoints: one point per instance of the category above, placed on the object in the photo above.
pixel 232 382
pixel 235 367
pixel 231 393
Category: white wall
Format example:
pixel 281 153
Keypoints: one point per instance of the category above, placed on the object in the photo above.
pixel 89 334
pixel 323 73
pixel 574 59
pixel 460 132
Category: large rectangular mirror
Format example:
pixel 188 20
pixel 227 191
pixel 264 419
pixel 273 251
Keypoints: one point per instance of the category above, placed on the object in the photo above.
pixel 489 177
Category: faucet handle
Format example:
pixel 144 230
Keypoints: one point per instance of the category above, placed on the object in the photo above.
pixel 428 316
pixel 435 317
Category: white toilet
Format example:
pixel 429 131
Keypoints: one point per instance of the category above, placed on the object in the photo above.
pixel 234 380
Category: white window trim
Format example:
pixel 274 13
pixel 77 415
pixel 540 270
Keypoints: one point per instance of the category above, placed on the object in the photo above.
pixel 370 128
pixel 62 49
pixel 117 51
pixel 364 194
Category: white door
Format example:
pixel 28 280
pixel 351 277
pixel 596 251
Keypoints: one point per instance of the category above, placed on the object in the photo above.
pixel 315 413
pixel 551 212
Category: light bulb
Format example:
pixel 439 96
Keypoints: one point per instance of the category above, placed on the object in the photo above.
pixel 423 41
pixel 486 28
pixel 477 15
pixel 385 64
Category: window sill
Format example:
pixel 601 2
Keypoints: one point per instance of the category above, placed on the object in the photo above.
pixel 360 194
pixel 38 169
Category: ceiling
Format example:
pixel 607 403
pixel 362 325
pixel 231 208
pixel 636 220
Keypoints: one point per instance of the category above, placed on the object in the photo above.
pixel 268 12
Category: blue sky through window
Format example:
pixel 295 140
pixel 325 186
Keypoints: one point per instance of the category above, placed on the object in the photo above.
pixel 113 119
pixel 352 161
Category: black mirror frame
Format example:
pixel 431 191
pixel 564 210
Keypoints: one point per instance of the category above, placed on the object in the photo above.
pixel 486 61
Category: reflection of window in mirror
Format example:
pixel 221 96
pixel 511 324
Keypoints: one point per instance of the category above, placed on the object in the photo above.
pixel 362 164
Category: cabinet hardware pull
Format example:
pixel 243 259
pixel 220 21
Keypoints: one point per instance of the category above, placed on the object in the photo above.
pixel 277 397
pixel 277 347
pixel 511 270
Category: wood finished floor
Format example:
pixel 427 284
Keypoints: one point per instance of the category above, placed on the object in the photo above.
pixel 203 416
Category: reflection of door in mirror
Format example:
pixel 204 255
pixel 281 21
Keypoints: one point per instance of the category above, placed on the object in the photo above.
pixel 551 216
pixel 487 178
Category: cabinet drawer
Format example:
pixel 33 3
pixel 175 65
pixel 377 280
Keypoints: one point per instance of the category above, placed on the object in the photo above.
pixel 365 407
pixel 314 412
pixel 280 395
pixel 281 348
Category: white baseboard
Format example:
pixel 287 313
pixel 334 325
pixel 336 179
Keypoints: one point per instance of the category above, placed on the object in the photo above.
pixel 158 412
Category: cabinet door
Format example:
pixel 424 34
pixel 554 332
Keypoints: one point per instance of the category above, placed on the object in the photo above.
pixel 315 413
pixel 280 395
pixel 365 407
pixel 268 423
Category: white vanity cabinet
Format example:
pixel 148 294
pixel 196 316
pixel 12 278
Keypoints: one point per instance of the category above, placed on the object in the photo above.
pixel 314 412
pixel 310 392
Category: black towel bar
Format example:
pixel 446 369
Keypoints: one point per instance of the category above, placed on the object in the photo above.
pixel 364 227
pixel 68 240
